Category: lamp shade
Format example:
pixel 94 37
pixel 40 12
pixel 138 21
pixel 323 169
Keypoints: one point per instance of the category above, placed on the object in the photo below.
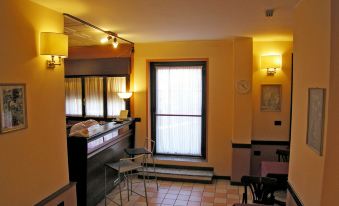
pixel 125 95
pixel 54 44
pixel 270 61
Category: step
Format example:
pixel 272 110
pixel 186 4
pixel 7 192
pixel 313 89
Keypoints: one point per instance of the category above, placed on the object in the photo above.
pixel 180 174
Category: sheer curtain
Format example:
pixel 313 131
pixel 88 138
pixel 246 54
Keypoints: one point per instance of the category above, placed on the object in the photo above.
pixel 114 102
pixel 73 96
pixel 94 96
pixel 179 110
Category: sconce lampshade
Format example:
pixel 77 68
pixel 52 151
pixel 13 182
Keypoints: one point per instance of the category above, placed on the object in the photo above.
pixel 270 61
pixel 125 95
pixel 53 44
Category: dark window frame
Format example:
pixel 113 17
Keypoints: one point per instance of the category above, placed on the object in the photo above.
pixel 153 101
pixel 105 117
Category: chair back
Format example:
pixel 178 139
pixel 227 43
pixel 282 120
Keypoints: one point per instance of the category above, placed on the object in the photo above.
pixel 283 155
pixel 262 189
pixel 149 141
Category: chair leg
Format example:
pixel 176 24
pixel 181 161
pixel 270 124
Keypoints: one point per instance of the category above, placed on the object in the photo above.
pixel 143 174
pixel 105 187
pixel 120 189
pixel 155 174
pixel 127 176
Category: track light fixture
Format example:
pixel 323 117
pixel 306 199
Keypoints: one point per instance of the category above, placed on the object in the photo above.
pixel 106 39
pixel 115 43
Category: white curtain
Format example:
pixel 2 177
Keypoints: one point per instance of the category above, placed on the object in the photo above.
pixel 73 96
pixel 179 110
pixel 94 96
pixel 114 102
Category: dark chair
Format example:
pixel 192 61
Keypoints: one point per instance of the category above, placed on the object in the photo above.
pixel 262 189
pixel 280 188
pixel 283 155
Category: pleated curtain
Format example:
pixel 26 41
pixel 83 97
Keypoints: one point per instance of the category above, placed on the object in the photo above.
pixel 179 110
pixel 94 96
pixel 114 102
pixel 73 96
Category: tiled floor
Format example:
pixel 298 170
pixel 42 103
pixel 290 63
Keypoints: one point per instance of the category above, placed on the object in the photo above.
pixel 182 193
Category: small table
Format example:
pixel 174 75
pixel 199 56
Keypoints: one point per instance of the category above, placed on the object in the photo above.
pixel 268 167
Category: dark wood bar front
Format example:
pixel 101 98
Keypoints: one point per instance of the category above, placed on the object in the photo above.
pixel 87 156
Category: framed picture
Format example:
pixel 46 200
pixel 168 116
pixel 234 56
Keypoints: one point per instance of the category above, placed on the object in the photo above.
pixel 270 98
pixel 12 107
pixel 315 119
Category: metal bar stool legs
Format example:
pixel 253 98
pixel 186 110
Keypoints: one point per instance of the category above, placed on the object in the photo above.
pixel 125 168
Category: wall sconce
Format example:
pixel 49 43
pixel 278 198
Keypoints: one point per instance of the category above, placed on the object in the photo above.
pixel 53 44
pixel 271 63
pixel 124 95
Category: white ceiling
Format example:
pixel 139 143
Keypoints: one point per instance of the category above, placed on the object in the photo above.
pixel 175 20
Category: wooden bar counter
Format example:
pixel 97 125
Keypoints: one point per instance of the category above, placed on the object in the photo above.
pixel 87 156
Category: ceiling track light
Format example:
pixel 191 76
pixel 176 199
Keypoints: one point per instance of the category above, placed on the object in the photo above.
pixel 109 33
pixel 115 42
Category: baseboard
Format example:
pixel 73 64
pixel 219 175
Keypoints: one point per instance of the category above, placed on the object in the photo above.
pixel 294 195
pixel 264 142
pixel 64 196
pixel 236 183
pixel 221 177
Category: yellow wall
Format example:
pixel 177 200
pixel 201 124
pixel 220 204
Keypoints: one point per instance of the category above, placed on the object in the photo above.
pixel 311 69
pixel 263 122
pixel 33 160
pixel 242 112
pixel 220 90
pixel 331 174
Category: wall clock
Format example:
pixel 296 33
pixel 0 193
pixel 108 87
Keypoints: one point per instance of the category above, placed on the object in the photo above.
pixel 243 86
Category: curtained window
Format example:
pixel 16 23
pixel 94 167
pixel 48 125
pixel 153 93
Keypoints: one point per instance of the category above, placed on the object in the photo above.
pixel 73 96
pixel 94 96
pixel 114 102
pixel 178 116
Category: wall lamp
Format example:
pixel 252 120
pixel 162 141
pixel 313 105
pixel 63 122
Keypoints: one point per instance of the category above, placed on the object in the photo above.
pixel 125 95
pixel 271 63
pixel 54 45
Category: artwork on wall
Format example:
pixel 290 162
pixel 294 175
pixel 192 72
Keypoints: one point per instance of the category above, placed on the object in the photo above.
pixel 270 98
pixel 315 119
pixel 12 107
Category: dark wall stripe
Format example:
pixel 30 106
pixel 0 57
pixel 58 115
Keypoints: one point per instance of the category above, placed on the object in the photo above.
pixel 237 145
pixel 221 177
pixel 263 142
pixel 294 195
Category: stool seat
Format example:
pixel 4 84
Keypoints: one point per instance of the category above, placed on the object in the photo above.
pixel 124 166
pixel 137 151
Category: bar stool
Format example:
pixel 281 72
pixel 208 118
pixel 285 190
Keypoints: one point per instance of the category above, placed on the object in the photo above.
pixel 125 168
pixel 149 153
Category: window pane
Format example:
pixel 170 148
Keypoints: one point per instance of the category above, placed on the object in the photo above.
pixel 178 135
pixel 73 96
pixel 179 90
pixel 94 96
pixel 114 102
pixel 178 115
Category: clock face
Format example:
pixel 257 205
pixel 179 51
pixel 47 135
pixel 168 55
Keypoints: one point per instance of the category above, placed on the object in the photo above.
pixel 243 86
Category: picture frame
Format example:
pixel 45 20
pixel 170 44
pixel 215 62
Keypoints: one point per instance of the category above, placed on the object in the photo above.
pixel 315 119
pixel 270 98
pixel 13 112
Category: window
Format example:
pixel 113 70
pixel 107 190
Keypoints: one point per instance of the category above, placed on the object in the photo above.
pixel 114 102
pixel 95 96
pixel 178 107
pixel 73 96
